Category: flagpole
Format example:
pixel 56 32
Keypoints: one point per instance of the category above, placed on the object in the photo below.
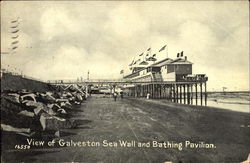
pixel 167 51
pixel 150 51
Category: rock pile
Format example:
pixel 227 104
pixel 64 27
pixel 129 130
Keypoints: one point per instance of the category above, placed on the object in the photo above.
pixel 32 114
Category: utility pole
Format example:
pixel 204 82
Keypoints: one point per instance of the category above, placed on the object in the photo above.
pixel 88 75
pixel 224 88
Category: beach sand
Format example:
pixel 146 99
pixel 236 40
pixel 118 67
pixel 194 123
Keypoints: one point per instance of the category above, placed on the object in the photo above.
pixel 142 120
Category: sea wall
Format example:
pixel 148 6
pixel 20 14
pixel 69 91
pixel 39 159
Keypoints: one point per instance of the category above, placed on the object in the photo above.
pixel 10 81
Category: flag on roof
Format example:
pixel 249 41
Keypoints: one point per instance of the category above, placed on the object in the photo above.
pixel 163 48
pixel 14 37
pixel 143 63
pixel 131 63
pixel 14 21
pixel 14 47
pixel 151 59
pixel 182 54
pixel 14 26
pixel 15 31
pixel 15 42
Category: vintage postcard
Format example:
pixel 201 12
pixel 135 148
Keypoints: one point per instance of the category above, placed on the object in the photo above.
pixel 125 81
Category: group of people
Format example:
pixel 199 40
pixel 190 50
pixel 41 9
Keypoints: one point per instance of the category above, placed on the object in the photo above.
pixel 116 94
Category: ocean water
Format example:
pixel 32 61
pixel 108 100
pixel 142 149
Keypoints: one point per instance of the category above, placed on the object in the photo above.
pixel 232 101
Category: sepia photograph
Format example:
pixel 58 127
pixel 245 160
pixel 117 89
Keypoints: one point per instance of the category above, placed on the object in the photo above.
pixel 125 81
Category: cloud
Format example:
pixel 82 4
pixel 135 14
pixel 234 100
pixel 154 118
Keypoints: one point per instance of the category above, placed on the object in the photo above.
pixel 125 21
pixel 65 63
pixel 69 38
pixel 56 21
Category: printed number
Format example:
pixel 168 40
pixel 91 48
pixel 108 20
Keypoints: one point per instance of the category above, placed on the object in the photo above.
pixel 22 147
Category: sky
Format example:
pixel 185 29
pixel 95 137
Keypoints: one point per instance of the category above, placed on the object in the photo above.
pixel 65 40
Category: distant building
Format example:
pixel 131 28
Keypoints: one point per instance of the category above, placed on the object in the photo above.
pixel 175 70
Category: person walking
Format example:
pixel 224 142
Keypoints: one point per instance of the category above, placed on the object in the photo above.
pixel 121 94
pixel 148 95
pixel 115 96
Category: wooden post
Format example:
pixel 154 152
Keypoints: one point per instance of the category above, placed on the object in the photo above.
pixel 149 89
pixel 157 91
pixel 206 93
pixel 177 92
pixel 188 95
pixel 131 89
pixel 160 90
pixel 153 89
pixel 143 90
pixel 196 94
pixel 171 93
pixel 201 92
pixel 139 90
pixel 135 91
pixel 181 93
pixel 164 91
pixel 174 86
pixel 184 93
pixel 167 93
pixel 192 94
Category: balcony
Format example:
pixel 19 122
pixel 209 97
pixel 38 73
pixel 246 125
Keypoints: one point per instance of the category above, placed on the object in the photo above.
pixel 193 78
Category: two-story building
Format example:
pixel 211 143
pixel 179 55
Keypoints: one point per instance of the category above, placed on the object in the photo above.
pixel 164 70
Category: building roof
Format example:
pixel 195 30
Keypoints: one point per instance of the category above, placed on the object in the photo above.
pixel 141 66
pixel 151 59
pixel 162 62
pixel 166 61
pixel 143 63
pixel 180 61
